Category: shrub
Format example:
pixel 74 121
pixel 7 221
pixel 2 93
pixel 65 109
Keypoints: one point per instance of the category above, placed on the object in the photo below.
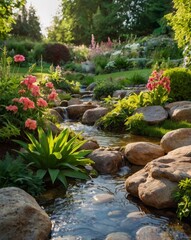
pixel 56 53
pixel 183 197
pixel 56 158
pixel 135 123
pixel 38 51
pixel 137 79
pixel 100 62
pixel 14 173
pixel 180 82
pixel 105 89
pixel 79 53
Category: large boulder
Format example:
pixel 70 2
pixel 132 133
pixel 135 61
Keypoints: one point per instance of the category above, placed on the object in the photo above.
pixel 181 113
pixel 106 162
pixel 21 218
pixel 77 111
pixel 169 106
pixel 140 153
pixel 92 115
pixel 175 139
pixel 155 183
pixel 153 114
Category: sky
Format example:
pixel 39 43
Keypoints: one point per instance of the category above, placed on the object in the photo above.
pixel 45 10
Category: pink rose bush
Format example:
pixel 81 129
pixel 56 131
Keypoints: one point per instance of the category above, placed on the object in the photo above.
pixel 159 87
pixel 32 101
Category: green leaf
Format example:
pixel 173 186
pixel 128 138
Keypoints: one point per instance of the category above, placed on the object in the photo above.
pixel 43 140
pixel 75 174
pixel 53 174
pixel 58 155
pixel 62 179
pixel 41 173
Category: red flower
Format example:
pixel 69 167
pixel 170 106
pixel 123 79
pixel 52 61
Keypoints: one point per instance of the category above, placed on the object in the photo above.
pixel 35 90
pixel 12 108
pixel 27 103
pixel 53 95
pixel 31 124
pixel 42 103
pixel 19 58
pixel 28 81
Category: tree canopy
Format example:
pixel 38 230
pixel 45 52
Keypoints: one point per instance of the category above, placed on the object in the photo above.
pixel 27 24
pixel 7 11
pixel 180 21
pixel 107 18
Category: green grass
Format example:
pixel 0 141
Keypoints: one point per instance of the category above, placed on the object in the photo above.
pixel 127 74
pixel 167 126
pixel 37 71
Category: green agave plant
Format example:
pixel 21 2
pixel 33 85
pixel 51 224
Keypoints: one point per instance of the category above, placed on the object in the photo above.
pixel 58 157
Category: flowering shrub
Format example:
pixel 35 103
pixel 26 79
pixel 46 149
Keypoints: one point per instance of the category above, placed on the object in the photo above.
pixel 30 105
pixel 159 87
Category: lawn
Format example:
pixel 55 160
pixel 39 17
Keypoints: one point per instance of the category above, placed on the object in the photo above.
pixel 126 74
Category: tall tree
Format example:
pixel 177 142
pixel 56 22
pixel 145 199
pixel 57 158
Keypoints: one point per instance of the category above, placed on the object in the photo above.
pixel 34 32
pixel 7 11
pixel 27 24
pixel 109 18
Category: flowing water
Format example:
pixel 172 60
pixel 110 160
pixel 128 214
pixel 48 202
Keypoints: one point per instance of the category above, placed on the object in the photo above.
pixel 100 206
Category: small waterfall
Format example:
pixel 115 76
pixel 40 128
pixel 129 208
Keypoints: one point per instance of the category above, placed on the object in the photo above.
pixel 65 114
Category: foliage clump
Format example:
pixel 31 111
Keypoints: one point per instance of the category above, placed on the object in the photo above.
pixel 180 82
pixel 56 53
pixel 183 197
pixel 15 173
pixel 56 157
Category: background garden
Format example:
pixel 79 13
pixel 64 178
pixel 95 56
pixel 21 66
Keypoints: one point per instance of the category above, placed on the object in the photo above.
pixel 111 44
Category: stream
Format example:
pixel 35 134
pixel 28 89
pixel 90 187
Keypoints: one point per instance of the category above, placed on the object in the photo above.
pixel 91 210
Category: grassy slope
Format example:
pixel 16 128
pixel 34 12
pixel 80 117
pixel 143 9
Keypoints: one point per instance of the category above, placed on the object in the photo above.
pixel 126 74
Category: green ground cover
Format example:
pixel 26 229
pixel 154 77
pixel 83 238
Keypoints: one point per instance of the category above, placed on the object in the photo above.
pixel 126 74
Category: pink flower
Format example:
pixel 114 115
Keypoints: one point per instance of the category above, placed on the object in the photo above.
pixel 12 108
pixel 27 103
pixel 28 81
pixel 31 124
pixel 53 95
pixel 35 90
pixel 42 103
pixel 49 85
pixel 19 58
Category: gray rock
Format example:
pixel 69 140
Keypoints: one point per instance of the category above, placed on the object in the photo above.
pixel 21 218
pixel 89 145
pixel 74 101
pixel 152 233
pixel 92 115
pixel 57 115
pixel 77 111
pixel 118 236
pixel 91 86
pixel 153 114
pixel 106 162
pixel 181 113
pixel 120 93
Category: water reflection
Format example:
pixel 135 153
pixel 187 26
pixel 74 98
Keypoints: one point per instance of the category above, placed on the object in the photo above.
pixel 79 216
